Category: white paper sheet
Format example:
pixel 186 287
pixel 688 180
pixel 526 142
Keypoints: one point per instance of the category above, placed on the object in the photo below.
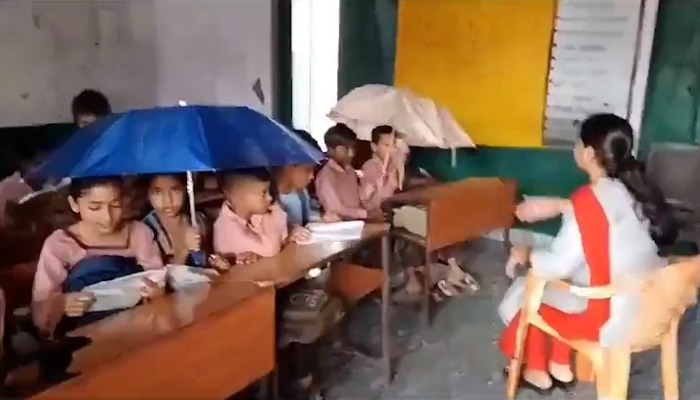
pixel 115 299
pixel 334 232
pixel 122 292
pixel 182 276
pixel 125 292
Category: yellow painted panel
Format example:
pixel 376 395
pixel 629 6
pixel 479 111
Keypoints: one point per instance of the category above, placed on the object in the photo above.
pixel 485 60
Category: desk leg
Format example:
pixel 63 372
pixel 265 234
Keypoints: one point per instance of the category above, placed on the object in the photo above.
pixel 269 388
pixel 386 332
pixel 427 286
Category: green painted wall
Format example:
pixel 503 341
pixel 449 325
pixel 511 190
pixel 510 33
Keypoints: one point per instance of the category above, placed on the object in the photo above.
pixel 673 96
pixel 367 56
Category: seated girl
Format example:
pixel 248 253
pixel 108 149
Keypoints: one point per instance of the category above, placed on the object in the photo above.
pixel 611 231
pixel 101 246
pixel 291 182
pixel 178 241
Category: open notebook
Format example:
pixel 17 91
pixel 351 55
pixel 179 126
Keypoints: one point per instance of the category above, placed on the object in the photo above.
pixel 335 231
pixel 125 292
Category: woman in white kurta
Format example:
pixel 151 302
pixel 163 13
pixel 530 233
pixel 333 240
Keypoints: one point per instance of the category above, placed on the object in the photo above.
pixel 610 232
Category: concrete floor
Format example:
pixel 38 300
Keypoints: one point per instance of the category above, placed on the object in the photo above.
pixel 457 357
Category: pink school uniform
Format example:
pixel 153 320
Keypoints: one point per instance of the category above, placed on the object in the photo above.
pixel 371 194
pixel 62 251
pixel 338 191
pixel 264 235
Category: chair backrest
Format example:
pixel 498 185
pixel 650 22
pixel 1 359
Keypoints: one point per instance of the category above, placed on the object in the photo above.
pixel 676 169
pixel 666 294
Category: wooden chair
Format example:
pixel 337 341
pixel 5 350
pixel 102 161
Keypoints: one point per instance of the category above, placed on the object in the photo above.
pixel 666 294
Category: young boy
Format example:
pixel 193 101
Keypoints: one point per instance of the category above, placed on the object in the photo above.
pixel 381 174
pixel 249 225
pixel 337 187
pixel 88 106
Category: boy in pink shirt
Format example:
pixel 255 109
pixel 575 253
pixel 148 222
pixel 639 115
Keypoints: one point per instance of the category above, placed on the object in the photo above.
pixel 337 186
pixel 382 174
pixel 249 226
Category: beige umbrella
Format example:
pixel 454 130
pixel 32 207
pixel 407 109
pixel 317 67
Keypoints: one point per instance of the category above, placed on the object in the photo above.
pixel 420 121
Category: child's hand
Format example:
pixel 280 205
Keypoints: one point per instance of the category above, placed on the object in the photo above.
pixel 77 304
pixel 193 239
pixel 330 217
pixel 299 235
pixel 385 164
pixel 219 263
pixel 255 224
pixel 376 215
pixel 246 258
pixel 151 290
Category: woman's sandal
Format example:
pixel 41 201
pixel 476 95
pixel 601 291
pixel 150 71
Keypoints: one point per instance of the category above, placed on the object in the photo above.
pixel 524 384
pixel 458 276
pixel 567 387
pixel 444 290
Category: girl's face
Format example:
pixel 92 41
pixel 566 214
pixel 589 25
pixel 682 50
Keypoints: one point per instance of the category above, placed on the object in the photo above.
pixel 301 175
pixel 100 206
pixel 166 195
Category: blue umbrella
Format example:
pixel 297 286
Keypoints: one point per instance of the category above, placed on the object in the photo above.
pixel 177 139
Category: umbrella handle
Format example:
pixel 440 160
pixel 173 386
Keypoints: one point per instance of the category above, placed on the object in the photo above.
pixel 190 196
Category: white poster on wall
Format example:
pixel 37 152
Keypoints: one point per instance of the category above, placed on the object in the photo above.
pixel 592 63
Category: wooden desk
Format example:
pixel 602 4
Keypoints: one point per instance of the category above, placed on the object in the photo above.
pixel 295 261
pixel 463 210
pixel 205 342
pixel 455 213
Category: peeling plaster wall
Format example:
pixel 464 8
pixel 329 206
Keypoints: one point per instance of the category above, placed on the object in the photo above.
pixel 141 53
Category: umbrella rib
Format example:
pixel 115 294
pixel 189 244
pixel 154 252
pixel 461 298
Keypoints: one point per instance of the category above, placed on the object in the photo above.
pixel 204 138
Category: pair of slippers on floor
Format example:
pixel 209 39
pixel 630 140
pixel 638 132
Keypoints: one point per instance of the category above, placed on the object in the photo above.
pixel 452 281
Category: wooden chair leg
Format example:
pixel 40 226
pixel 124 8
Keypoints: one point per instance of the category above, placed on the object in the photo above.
pixel 669 362
pixel 515 367
pixel 584 368
pixel 602 374
pixel 618 367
